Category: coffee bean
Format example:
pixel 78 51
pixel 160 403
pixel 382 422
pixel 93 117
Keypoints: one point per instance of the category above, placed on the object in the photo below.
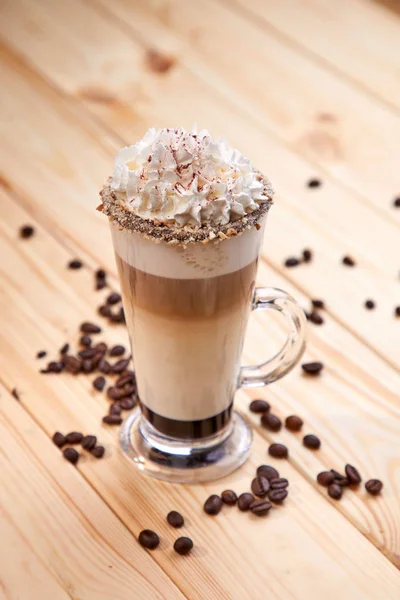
pixel 293 423
pixel 396 202
pixel 311 441
pixel 260 486
pixel 369 304
pixel 183 545
pixel 85 340
pixel 277 495
pixel 292 261
pixel 318 304
pixel 115 409
pixel 59 439
pixel 315 318
pixel 335 491
pixel 325 478
pixel 96 359
pixel 312 368
pixel 148 539
pixel 340 479
pixel 374 486
pixel 397 311
pixel 55 367
pixel 89 442
pixel 278 451
pixel 104 311
pixel 115 393
pixel 101 274
pixel 175 519
pixel 74 437
pixel 75 264
pixel 72 364
pixel 128 377
pixel 117 351
pixel 90 328
pixel 99 383
pixel 88 353
pixel 314 183
pixel 98 451
pixel 307 255
pixel 213 505
pixel 127 403
pixel 267 472
pixel 112 420
pixel 260 507
pixel 353 475
pixel 64 349
pixel 41 354
pixel 113 298
pixel 100 284
pixel 104 366
pixel 259 406
pixel 71 455
pixel 101 347
pixel 118 317
pixel 271 422
pixel 279 483
pixel 120 365
pixel 26 231
pixel 245 500
pixel 348 261
pixel 15 394
pixel 229 497
pixel 87 366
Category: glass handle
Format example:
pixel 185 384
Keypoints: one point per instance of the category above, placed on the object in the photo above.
pixel 291 352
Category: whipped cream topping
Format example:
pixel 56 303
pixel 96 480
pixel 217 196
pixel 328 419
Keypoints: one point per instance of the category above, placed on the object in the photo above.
pixel 186 178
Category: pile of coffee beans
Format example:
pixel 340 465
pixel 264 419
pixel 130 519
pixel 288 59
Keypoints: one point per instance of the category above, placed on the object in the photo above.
pixel 150 539
pixel 336 482
pixel 87 442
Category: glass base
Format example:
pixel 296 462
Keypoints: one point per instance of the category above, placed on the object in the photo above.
pixel 181 461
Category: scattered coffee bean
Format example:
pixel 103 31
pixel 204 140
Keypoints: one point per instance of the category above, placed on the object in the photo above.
pixel 120 365
pixel 278 451
pixel 335 491
pixel 15 394
pixel 101 274
pixel 348 261
pixel 75 437
pixel 183 545
pixel 369 304
pixel 292 261
pixel 325 478
pixel 90 328
pixel 271 422
pixel 148 539
pixel 75 264
pixel 128 377
pixel 112 420
pixel 260 486
pixel 98 451
pixel 339 478
pixel 267 472
pixel 104 366
pixel 86 341
pixel 26 231
pixel 315 318
pixel 307 255
pixel 72 364
pixel 374 486
pixel 115 409
pixel 311 441
pixel 396 202
pixel 175 519
pixel 127 403
pixel 260 507
pixel 64 349
pixel 312 368
pixel 99 383
pixel 245 500
pixel 213 505
pixel 353 475
pixel 117 351
pixel 71 455
pixel 59 439
pixel 100 284
pixel 259 406
pixel 277 495
pixel 279 483
pixel 397 311
pixel 41 354
pixel 293 423
pixel 89 442
pixel 55 367
pixel 314 183
pixel 113 298
pixel 229 497
pixel 104 311
pixel 318 304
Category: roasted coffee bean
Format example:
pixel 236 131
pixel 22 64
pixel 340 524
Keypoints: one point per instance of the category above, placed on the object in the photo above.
pixel 128 377
pixel 104 366
pixel 245 500
pixel 292 261
pixel 115 409
pixel 335 491
pixel 75 264
pixel 314 183
pixel 369 304
pixel 100 284
pixel 26 231
pixel 271 422
pixel 55 367
pixel 213 505
pixel 175 519
pixel 71 455
pixel 64 349
pixel 279 483
pixel 318 303
pixel 260 507
pixel 311 441
pixel 99 383
pixel 353 475
pixel 307 255
pixel 115 393
pixel 72 364
pixel 88 353
pixel 268 472
pixel 229 497
pixel 113 298
pixel 293 423
pixel 277 495
pixel 183 545
pixel 325 478
pixel 112 420
pixel 89 442
pixel 148 539
pixel 374 486
pixel 278 451
pixel 120 365
pixel 59 439
pixel 259 406
pixel 397 311
pixel 98 451
pixel 348 261
pixel 96 359
pixel 312 368
pixel 15 394
pixel 75 437
pixel 41 354
pixel 117 351
pixel 87 366
pixel 86 341
pixel 127 403
pixel 118 317
pixel 101 274
pixel 396 202
pixel 260 486
pixel 101 347
pixel 340 479
pixel 90 328
pixel 315 318
pixel 104 311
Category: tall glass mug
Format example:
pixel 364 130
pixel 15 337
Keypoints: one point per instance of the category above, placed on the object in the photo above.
pixel 187 309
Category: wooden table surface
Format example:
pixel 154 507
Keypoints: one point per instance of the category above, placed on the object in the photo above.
pixel 307 89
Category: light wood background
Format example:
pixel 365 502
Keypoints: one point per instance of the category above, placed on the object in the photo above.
pixel 306 88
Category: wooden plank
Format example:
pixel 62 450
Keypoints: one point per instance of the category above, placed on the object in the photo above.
pixel 331 220
pixel 359 40
pixel 354 407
